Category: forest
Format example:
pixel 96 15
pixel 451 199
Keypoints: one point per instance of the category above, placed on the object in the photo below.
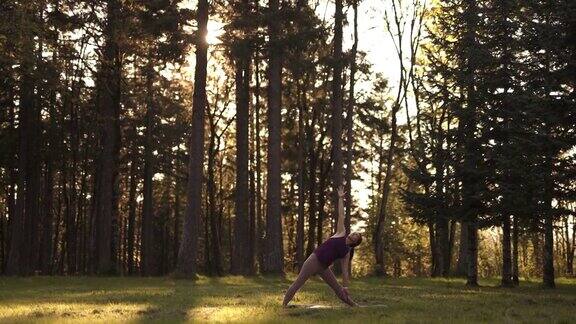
pixel 207 138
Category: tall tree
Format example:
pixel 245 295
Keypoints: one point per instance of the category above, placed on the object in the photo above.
pixel 507 149
pixel 148 225
pixel 395 26
pixel 19 257
pixel 243 259
pixel 132 206
pixel 274 255
pixel 450 139
pixel 350 121
pixel 108 110
pixel 549 81
pixel 215 117
pixel 470 177
pixel 187 255
pixel 336 104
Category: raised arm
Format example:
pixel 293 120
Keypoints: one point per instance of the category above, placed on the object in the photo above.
pixel 340 225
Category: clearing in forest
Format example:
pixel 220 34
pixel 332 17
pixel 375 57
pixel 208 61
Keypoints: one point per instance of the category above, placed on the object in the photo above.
pixel 97 299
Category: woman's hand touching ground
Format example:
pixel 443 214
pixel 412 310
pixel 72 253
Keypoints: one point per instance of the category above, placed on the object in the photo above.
pixel 347 298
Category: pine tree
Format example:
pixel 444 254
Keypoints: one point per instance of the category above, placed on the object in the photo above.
pixel 549 107
pixel 188 252
pixel 274 255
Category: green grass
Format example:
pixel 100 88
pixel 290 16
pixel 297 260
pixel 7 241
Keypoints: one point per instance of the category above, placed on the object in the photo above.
pixel 89 299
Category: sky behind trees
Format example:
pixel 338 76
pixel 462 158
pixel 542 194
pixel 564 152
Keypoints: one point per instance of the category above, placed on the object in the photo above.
pixel 374 41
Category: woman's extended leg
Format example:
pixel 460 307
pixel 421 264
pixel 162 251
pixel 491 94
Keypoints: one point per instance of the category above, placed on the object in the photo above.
pixel 329 278
pixel 310 267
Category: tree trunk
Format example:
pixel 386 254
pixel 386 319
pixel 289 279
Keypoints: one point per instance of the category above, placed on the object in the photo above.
pixel 68 235
pixel 216 260
pixel 74 204
pixel 350 124
pixel 177 233
pixel 108 110
pixel 443 246
pixel 7 106
pixel 148 248
pixel 250 262
pixel 132 206
pixel 274 255
pixel 311 192
pixel 472 254
pixel 515 233
pixel 548 269
pixel 571 257
pixel 471 184
pixel 252 209
pixel 324 171
pixel 442 222
pixel 383 205
pixel 253 228
pixel 260 226
pixel 336 102
pixel 397 267
pixel 187 263
pixel 433 249
pixel 301 180
pixel 47 223
pixel 241 261
pixel 207 257
pixel 83 215
pixel 58 254
pixel 32 203
pixel 290 225
pixel 537 253
pixel 451 240
pixel 301 156
pixel 507 280
pixel 48 201
pixel 34 173
pixel 17 263
pixel 315 207
pixel 569 246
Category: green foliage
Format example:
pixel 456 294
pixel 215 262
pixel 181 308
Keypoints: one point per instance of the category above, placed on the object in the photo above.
pixel 495 122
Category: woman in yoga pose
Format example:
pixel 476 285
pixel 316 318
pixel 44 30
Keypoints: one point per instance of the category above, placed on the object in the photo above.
pixel 338 246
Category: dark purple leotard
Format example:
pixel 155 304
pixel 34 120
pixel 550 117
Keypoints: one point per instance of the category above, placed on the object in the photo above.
pixel 332 249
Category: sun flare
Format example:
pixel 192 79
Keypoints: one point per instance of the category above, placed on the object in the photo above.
pixel 215 31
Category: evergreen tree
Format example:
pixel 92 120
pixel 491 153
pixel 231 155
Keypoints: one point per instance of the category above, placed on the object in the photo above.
pixel 187 254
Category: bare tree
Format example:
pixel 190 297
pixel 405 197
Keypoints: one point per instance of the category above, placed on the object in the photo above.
pixel 395 24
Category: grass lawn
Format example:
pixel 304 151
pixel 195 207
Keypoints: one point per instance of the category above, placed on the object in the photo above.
pixel 90 299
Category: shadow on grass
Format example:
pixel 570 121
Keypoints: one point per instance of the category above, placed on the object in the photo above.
pixel 98 298
pixel 134 299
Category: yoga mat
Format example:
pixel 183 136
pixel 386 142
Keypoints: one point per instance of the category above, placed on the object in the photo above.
pixel 318 306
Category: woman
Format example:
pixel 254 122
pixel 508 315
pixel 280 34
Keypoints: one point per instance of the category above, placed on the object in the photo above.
pixel 338 246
